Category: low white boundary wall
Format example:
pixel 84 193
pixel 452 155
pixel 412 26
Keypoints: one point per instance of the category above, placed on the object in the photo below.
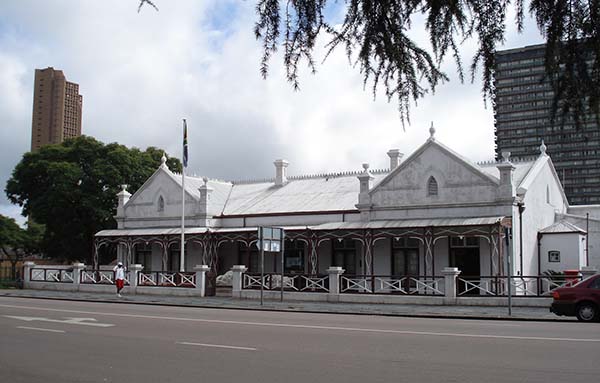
pixel 395 299
pixel 449 298
pixel 133 288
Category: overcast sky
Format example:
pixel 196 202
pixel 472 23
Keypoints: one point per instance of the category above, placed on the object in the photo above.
pixel 140 74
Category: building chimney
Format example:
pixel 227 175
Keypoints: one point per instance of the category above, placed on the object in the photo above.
pixel 364 200
pixel 205 192
pixel 281 172
pixel 395 157
pixel 506 189
pixel 123 196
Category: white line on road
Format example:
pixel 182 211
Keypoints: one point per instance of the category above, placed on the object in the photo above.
pixel 78 321
pixel 40 329
pixel 217 346
pixel 315 327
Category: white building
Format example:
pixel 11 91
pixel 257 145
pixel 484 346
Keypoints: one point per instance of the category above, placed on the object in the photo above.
pixel 431 210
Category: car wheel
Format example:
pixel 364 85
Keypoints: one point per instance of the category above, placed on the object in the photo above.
pixel 587 312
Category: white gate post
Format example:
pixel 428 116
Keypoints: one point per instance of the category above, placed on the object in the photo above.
pixel 27 266
pixel 450 274
pixel 134 272
pixel 237 280
pixel 77 267
pixel 201 278
pixel 334 282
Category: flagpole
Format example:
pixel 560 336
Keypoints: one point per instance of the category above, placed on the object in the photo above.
pixel 182 252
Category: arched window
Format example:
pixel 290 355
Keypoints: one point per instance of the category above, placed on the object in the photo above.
pixel 547 194
pixel 432 187
pixel 161 204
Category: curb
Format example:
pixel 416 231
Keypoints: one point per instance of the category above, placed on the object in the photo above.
pixel 292 309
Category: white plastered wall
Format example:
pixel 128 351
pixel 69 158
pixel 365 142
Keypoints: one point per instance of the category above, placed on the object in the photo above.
pixel 571 247
pixel 542 201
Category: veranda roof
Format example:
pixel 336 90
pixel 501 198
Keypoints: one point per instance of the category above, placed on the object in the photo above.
pixel 383 224
pixel 150 231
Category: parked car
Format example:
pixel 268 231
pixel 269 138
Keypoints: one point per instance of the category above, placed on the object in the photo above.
pixel 581 300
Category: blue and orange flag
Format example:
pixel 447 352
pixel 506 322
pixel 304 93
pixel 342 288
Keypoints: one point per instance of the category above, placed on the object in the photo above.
pixel 185 144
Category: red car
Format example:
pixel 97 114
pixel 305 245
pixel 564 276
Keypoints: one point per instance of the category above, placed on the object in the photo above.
pixel 581 300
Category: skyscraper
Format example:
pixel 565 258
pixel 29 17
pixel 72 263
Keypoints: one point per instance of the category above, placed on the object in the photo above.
pixel 523 108
pixel 56 108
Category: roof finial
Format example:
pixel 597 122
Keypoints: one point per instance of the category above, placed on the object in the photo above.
pixel 432 132
pixel 163 160
pixel 543 148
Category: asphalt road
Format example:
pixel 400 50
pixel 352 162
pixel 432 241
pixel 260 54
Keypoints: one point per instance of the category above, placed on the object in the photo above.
pixel 57 341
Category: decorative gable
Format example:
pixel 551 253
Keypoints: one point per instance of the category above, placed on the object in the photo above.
pixel 159 197
pixel 434 175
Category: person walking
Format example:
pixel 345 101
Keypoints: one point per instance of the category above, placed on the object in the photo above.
pixel 119 270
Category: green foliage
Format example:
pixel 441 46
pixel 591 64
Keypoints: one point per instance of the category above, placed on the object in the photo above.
pixel 15 242
pixel 71 188
pixel 375 35
pixel 11 235
pixel 572 30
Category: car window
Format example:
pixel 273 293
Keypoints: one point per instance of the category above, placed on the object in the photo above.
pixel 595 284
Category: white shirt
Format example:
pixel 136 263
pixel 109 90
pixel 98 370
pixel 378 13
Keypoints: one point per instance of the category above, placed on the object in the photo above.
pixel 119 272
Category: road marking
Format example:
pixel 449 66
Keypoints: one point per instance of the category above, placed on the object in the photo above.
pixel 40 329
pixel 79 321
pixel 314 327
pixel 217 346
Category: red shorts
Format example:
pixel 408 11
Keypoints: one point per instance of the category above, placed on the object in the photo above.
pixel 120 283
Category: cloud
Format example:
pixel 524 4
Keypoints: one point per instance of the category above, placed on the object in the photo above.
pixel 140 74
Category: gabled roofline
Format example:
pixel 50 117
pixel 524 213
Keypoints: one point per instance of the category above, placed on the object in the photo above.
pixel 431 142
pixel 535 170
pixel 160 169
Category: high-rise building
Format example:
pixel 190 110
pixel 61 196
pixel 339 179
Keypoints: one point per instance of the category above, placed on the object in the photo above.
pixel 523 111
pixel 56 108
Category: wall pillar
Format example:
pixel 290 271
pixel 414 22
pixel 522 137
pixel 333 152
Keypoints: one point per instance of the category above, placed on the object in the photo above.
pixel 77 267
pixel 334 280
pixel 237 280
pixel 450 274
pixel 201 278
pixel 27 266
pixel 134 271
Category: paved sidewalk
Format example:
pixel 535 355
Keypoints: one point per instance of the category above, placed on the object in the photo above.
pixel 466 312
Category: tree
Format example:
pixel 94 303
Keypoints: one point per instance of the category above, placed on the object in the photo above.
pixel 16 243
pixel 71 188
pixel 375 36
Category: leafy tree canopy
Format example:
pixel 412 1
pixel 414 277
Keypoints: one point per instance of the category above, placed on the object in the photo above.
pixel 11 235
pixel 71 188
pixel 375 36
pixel 16 242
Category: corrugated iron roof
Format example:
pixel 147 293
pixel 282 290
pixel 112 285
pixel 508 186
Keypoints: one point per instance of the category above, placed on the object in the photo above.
pixel 562 227
pixel 410 223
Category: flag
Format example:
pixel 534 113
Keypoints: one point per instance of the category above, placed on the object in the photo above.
pixel 185 144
